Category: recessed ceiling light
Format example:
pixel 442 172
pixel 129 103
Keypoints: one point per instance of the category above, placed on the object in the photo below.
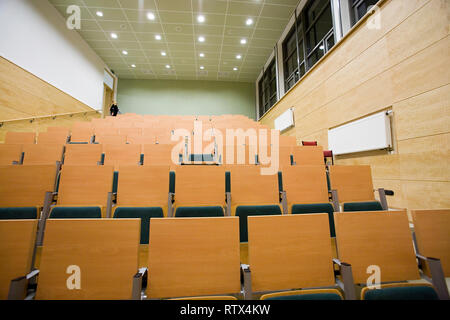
pixel 99 13
pixel 125 52
pixel 163 53
pixel 235 69
pixel 249 22
pixel 150 16
pixel 243 41
pixel 202 55
pixel 202 67
pixel 238 56
pixel 201 18
pixel 167 66
pixel 133 66
pixel 201 39
pixel 114 35
pixel 158 37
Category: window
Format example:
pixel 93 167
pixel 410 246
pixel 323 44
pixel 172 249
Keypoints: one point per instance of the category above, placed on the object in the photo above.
pixel 267 87
pixel 319 30
pixel 291 75
pixel 308 41
pixel 360 8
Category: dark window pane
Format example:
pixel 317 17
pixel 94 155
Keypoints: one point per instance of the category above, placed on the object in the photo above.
pixel 360 8
pixel 300 51
pixel 320 28
pixel 314 10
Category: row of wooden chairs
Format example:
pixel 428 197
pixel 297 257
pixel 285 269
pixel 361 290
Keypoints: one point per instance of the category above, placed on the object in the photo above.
pixel 153 154
pixel 188 191
pixel 134 135
pixel 198 258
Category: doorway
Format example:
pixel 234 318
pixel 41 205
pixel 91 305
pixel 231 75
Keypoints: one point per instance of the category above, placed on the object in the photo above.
pixel 108 96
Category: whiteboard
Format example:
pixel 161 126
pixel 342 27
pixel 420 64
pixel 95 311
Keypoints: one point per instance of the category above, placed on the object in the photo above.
pixel 370 133
pixel 285 121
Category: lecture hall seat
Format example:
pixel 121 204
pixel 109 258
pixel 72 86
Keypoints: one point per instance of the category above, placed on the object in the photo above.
pixel 84 192
pixel 102 252
pixel 289 252
pixel 194 257
pixel 199 191
pixel 355 189
pixel 306 191
pixel 24 190
pixel 393 256
pixel 252 194
pixel 143 192
pixel 17 240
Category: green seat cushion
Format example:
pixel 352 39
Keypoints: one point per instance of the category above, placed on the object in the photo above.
pixel 280 181
pixel 363 206
pixel 172 182
pixel 115 181
pixel 76 213
pixel 244 211
pixel 312 296
pixel 192 212
pixel 402 293
pixel 18 213
pixel 144 213
pixel 227 181
pixel 317 208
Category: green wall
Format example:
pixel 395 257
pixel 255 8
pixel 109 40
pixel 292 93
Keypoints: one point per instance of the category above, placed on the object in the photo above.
pixel 180 97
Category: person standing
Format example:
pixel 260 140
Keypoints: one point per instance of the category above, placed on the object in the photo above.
pixel 114 110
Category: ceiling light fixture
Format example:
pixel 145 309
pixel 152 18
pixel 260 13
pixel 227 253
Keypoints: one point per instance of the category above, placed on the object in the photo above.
pixel 249 22
pixel 114 35
pixel 167 66
pixel 125 52
pixel 201 18
pixel 150 16
pixel 99 13
pixel 163 53
pixel 238 56
pixel 202 67
pixel 235 68
pixel 202 55
pixel 243 41
pixel 158 37
pixel 201 39
pixel 133 66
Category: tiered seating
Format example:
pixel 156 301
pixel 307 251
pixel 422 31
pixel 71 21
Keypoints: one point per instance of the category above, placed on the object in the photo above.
pixel 142 171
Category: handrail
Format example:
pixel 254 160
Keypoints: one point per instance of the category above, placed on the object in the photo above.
pixel 49 116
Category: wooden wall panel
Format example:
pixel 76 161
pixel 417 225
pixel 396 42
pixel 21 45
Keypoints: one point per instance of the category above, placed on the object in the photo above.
pixel 24 96
pixel 402 66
